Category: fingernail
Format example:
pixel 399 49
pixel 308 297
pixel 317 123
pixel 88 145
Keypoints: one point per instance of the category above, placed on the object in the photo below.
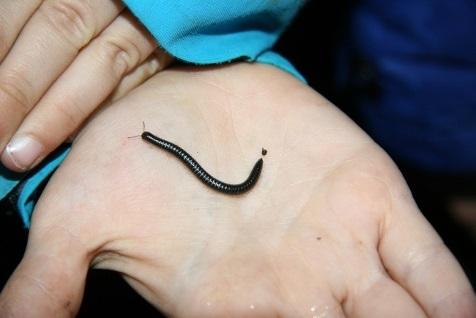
pixel 23 151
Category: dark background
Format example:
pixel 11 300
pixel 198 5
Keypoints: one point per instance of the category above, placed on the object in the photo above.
pixel 323 23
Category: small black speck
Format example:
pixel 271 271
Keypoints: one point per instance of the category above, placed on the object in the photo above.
pixel 318 238
pixel 264 151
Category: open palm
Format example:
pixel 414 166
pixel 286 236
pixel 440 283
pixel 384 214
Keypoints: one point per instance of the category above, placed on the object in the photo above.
pixel 330 229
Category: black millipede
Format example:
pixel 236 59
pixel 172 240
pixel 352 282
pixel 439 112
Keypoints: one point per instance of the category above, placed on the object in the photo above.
pixel 201 173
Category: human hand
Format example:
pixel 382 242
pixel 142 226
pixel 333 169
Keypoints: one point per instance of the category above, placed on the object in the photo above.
pixel 330 229
pixel 60 60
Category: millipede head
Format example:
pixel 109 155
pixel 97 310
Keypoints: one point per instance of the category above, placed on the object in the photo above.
pixel 141 135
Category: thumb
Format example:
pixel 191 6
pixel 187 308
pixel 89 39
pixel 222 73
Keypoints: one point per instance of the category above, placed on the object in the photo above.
pixel 49 282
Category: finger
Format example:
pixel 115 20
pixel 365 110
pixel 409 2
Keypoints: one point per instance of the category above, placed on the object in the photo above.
pixel 78 92
pixel 158 61
pixel 45 47
pixel 383 298
pixel 417 259
pixel 155 63
pixel 49 282
pixel 13 16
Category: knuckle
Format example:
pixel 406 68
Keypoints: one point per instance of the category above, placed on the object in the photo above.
pixel 121 53
pixel 164 59
pixel 419 260
pixel 73 19
pixel 151 67
pixel 71 113
pixel 14 93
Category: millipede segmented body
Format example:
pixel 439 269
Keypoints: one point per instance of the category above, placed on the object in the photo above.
pixel 204 176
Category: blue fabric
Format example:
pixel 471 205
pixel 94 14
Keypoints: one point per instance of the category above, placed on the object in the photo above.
pixel 195 31
pixel 424 54
pixel 8 181
pixel 215 31
pixel 277 60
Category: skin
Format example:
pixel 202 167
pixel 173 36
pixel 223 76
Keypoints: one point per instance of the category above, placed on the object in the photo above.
pixel 330 230
pixel 51 53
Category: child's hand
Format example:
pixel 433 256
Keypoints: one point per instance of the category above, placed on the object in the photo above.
pixel 60 60
pixel 330 229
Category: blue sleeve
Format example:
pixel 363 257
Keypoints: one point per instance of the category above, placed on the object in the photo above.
pixel 194 31
pixel 215 31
